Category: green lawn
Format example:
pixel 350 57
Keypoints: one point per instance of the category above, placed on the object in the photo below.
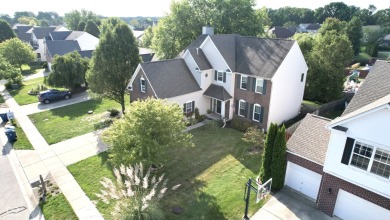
pixel 30 69
pixel 212 176
pixel 21 95
pixel 57 207
pixel 384 55
pixel 22 142
pixel 71 121
pixel 311 104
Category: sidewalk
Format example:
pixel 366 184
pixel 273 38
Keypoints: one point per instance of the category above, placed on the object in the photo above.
pixel 55 158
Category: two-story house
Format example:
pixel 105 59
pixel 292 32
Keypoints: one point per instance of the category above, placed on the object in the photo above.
pixel 258 80
pixel 352 175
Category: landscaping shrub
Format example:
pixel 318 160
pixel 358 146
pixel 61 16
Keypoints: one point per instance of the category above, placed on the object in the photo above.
pixel 103 124
pixel 113 112
pixel 254 136
pixel 239 124
pixel 37 89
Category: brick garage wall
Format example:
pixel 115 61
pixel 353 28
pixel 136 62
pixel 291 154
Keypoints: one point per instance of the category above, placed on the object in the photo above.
pixel 253 98
pixel 315 167
pixel 136 93
pixel 327 201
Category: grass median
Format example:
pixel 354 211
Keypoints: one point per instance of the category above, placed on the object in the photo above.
pixel 212 176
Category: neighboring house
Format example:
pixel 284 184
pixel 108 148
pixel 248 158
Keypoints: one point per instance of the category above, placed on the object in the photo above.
pixel 258 80
pixel 38 38
pixel 308 28
pixel 281 32
pixel 63 42
pixel 146 54
pixel 21 32
pixel 355 175
pixel 386 41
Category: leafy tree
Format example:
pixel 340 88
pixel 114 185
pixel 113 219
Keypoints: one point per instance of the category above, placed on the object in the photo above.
pixel 81 26
pixel 68 70
pixel 254 136
pixel 354 32
pixel 146 132
pixel 44 23
pixel 135 23
pixel 6 18
pixel 28 20
pixel 51 17
pixel 19 14
pixel 278 165
pixel 306 43
pixel 17 52
pixel 283 15
pixel 265 169
pixel 135 192
pixel 178 29
pixel 92 28
pixel 327 61
pixel 6 31
pixel 337 10
pixel 73 18
pixel 147 37
pixel 114 61
pixel 7 71
pixel 332 24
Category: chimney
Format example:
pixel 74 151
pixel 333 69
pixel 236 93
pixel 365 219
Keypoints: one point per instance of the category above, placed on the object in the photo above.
pixel 208 29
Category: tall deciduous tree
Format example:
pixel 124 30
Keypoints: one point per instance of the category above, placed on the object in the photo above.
pixel 147 37
pixel 337 10
pixel 278 165
pixel 7 71
pixel 327 61
pixel 114 61
pixel 265 168
pixel 147 131
pixel 6 18
pixel 92 28
pixel 283 15
pixel 306 43
pixel 354 32
pixel 81 26
pixel 6 31
pixel 28 20
pixel 68 70
pixel 19 14
pixel 178 29
pixel 17 52
pixel 73 18
pixel 332 24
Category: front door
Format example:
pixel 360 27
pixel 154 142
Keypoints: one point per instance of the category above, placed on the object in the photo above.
pixel 217 106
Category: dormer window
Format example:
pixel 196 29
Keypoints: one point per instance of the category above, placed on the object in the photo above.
pixel 220 76
pixel 142 84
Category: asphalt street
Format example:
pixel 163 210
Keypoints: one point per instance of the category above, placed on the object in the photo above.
pixel 12 204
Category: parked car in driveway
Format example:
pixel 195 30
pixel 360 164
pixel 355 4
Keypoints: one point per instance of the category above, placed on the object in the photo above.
pixel 52 95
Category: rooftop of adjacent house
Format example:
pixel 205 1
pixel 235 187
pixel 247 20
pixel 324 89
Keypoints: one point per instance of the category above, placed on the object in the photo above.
pixel 26 37
pixel 22 28
pixel 282 32
pixel 375 87
pixel 167 83
pixel 60 35
pixel 200 58
pixel 86 53
pixel 74 35
pixel 250 55
pixel 41 32
pixel 61 47
pixel 311 139
pixel 217 92
pixel 313 26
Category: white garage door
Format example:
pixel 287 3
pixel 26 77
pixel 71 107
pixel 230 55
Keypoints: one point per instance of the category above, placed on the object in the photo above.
pixel 349 206
pixel 303 180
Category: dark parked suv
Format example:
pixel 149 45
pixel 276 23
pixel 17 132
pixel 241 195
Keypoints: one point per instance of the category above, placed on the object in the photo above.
pixel 52 95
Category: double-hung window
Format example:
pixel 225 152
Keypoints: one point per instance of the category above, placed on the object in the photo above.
pixel 143 84
pixel 381 163
pixel 361 155
pixel 259 85
pixel 242 108
pixel 244 82
pixel 256 112
pixel 219 76
pixel 188 108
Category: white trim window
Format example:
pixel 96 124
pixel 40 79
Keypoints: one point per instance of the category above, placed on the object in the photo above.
pixel 188 108
pixel 259 85
pixel 373 159
pixel 256 112
pixel 219 76
pixel 142 84
pixel 244 82
pixel 241 108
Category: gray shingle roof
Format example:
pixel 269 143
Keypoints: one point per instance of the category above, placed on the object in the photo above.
pixel 86 53
pixel 23 28
pixel 260 56
pixel 200 58
pixel 61 47
pixel 311 139
pixel 60 35
pixel 218 92
pixel 26 37
pixel 282 32
pixel 74 35
pixel 375 86
pixel 41 32
pixel 170 78
pixel 226 44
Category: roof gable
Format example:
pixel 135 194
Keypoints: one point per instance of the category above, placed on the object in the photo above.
pixel 61 47
pixel 200 58
pixel 60 35
pixel 170 78
pixel 41 32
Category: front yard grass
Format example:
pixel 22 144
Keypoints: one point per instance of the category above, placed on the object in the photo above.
pixel 73 120
pixel 212 176
pixel 21 95
pixel 57 207
pixel 31 69
pixel 22 142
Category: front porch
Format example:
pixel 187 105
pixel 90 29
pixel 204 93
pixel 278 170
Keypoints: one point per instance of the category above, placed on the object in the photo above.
pixel 220 101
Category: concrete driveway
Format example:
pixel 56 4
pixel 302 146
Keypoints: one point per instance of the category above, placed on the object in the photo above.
pixel 287 204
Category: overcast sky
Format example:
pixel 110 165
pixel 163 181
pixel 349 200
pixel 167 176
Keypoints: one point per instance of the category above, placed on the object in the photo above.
pixel 157 8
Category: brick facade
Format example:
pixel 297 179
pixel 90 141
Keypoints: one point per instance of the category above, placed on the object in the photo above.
pixel 327 201
pixel 315 167
pixel 253 98
pixel 136 93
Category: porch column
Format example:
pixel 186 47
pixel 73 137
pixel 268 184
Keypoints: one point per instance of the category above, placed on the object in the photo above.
pixel 223 108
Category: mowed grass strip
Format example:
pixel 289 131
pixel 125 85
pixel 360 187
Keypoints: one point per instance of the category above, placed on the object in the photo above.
pixel 31 69
pixel 212 176
pixel 57 207
pixel 22 142
pixel 21 95
pixel 71 121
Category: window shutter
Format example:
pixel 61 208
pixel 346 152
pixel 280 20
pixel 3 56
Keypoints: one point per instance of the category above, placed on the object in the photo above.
pixel 238 80
pixel 261 114
pixel 237 107
pixel 184 108
pixel 347 150
pixel 224 77
pixel 146 86
pixel 264 87
pixel 246 109
pixel 248 84
pixel 251 112
pixel 254 84
pixel 215 75
pixel 193 106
